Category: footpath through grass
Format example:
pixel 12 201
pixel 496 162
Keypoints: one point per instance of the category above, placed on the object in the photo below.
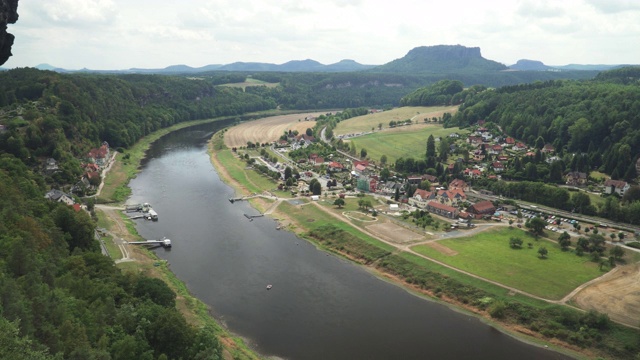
pixel 489 255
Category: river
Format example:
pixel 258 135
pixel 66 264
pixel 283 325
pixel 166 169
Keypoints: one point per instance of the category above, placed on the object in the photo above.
pixel 320 306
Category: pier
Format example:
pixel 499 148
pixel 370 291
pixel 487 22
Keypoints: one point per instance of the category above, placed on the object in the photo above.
pixel 146 210
pixel 164 242
pixel 253 216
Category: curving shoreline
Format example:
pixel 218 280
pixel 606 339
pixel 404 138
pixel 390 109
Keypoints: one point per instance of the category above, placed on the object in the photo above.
pixel 521 333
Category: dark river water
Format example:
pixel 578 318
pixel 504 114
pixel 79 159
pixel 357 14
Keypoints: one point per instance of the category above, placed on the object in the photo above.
pixel 320 306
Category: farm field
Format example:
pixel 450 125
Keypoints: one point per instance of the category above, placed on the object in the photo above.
pixel 489 255
pixel 268 129
pixel 404 141
pixel 252 82
pixel 416 113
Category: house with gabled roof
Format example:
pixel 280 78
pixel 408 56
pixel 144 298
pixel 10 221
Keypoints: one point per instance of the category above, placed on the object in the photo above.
pixel 460 184
pixel 576 178
pixel 548 148
pixel 498 166
pixel 421 197
pixel 472 173
pixel 510 141
pixel 495 149
pixel 615 186
pixel 335 166
pixel 475 140
pixel 451 197
pixel 442 210
pixel 519 146
pixel 482 208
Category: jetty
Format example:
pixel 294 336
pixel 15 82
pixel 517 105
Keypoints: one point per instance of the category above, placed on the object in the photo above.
pixel 253 216
pixel 164 242
pixel 146 210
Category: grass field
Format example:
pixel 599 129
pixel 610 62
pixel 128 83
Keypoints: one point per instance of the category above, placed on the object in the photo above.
pixel 312 218
pixel 416 113
pixel 396 144
pixel 488 255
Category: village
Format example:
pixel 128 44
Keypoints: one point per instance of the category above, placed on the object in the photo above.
pixel 481 152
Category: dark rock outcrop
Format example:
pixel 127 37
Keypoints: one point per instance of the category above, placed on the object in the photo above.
pixel 8 15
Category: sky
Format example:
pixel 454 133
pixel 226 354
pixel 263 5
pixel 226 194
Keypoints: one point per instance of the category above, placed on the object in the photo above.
pixel 123 34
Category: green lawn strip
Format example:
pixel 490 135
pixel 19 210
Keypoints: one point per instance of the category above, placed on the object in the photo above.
pixel 410 143
pixel 495 291
pixel 252 180
pixel 312 218
pixel 489 255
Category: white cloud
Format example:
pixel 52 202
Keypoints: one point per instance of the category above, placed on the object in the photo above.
pixel 615 6
pixel 158 33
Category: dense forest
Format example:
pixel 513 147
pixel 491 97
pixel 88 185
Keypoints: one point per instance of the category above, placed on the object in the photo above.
pixel 61 298
pixel 599 118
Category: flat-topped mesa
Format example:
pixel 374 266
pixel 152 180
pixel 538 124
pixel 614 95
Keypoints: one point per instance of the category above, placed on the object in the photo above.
pixel 442 59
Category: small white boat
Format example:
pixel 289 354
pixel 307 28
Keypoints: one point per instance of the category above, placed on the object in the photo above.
pixel 269 287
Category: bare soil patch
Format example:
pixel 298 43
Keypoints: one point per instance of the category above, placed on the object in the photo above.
pixel 268 129
pixel 394 233
pixel 617 295
pixel 441 248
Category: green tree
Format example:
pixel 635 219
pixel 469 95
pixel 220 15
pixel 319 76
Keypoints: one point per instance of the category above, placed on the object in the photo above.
pixel 383 159
pixel 543 252
pixel 385 174
pixel 617 252
pixel 536 225
pixel 309 132
pixel 339 202
pixel 515 242
pixel 287 173
pixel 565 241
pixel 363 153
pixel 431 147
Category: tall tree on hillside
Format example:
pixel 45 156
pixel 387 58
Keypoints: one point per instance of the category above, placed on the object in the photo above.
pixel 431 147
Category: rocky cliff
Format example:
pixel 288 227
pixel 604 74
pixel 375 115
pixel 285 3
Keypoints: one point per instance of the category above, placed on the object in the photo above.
pixel 8 15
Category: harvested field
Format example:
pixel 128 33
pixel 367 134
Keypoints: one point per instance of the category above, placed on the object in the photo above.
pixel 394 233
pixel 416 113
pixel 441 248
pixel 268 129
pixel 617 295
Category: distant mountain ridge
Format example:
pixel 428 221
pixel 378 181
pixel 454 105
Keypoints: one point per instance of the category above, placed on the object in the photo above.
pixel 438 59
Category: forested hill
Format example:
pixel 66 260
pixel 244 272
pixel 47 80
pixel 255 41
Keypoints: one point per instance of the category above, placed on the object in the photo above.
pixel 51 115
pixel 599 118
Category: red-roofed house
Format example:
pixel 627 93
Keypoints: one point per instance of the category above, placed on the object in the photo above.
pixel 615 186
pixel 442 210
pixel 510 141
pixel 421 197
pixel 475 140
pixel 498 166
pixel 495 149
pixel 99 156
pixel 472 173
pixel 451 197
pixel 318 161
pixel 519 146
pixel 76 207
pixel 482 208
pixel 335 166
pixel 456 184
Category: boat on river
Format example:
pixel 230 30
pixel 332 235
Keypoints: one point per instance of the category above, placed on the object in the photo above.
pixel 269 287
